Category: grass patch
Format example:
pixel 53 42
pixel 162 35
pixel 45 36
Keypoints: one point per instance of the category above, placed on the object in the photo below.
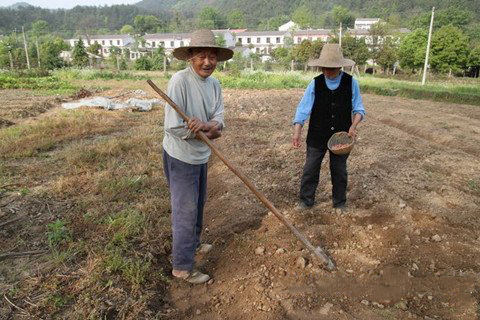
pixel 126 225
pixel 93 74
pixel 442 91
pixel 263 80
pixel 48 83
pixel 32 138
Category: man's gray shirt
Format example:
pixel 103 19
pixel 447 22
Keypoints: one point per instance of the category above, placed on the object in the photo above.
pixel 197 97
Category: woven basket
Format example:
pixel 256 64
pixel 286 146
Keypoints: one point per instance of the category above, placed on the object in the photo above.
pixel 341 137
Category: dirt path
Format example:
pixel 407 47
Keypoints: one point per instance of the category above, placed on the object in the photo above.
pixel 409 248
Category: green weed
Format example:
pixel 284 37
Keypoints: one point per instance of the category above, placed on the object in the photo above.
pixel 58 233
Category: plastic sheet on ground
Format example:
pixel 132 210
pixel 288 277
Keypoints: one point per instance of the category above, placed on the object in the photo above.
pixel 108 104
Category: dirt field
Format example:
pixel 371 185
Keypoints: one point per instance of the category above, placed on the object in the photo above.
pixel 409 247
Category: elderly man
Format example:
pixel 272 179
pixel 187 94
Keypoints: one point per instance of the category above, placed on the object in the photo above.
pixel 332 103
pixel 184 156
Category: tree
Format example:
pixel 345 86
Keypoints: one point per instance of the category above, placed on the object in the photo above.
pixel 449 49
pixel 412 49
pixel 143 63
pixel 95 48
pixel 209 18
pixel 307 50
pixel 387 54
pixel 115 56
pixel 39 28
pixel 127 29
pixel 303 17
pixel 454 16
pixel 355 49
pixel 220 41
pixel 282 56
pixel 145 24
pixel 378 33
pixel 273 23
pixel 474 61
pixel 50 49
pixel 343 15
pixel 79 54
pixel 235 19
pixel 157 59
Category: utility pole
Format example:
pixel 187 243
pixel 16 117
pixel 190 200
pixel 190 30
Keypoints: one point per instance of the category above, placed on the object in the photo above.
pixel 424 78
pixel 340 39
pixel 38 52
pixel 26 48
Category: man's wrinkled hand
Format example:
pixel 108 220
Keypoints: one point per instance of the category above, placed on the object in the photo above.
pixel 196 125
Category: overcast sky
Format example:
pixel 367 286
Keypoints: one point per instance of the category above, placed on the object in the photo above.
pixel 54 4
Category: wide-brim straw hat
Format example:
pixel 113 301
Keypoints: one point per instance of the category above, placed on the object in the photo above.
pixel 331 57
pixel 203 38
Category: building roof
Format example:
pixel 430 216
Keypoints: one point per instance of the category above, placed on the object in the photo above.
pixel 313 32
pixel 367 19
pixel 260 33
pixel 157 36
pixel 105 37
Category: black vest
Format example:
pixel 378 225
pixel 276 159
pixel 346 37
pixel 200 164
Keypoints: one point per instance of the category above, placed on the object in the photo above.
pixel 331 111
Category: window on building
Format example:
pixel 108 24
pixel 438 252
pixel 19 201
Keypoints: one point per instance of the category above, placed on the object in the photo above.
pixel 249 40
pixel 118 42
pixel 88 42
pixel 172 44
pixel 181 43
pixel 105 50
pixel 257 50
pixel 258 40
pixel 111 42
pixel 239 40
pixel 268 39
pixel 153 44
pixel 278 39
pixel 103 42
pixel 299 40
pixel 162 43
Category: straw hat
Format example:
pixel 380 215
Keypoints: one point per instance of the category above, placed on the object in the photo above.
pixel 331 57
pixel 203 38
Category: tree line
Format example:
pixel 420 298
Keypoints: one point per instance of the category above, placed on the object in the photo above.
pixel 455 49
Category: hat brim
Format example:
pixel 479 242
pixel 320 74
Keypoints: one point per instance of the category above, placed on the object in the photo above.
pixel 331 64
pixel 183 53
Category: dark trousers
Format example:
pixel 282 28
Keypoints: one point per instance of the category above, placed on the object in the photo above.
pixel 188 190
pixel 311 175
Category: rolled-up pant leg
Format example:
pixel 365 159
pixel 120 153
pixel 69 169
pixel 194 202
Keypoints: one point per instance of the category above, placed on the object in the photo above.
pixel 187 184
pixel 311 174
pixel 339 176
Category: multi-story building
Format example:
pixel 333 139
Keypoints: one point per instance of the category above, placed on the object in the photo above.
pixel 261 42
pixel 365 23
pixel 121 41
pixel 312 35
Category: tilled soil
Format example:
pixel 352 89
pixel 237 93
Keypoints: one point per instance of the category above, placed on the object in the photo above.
pixel 408 248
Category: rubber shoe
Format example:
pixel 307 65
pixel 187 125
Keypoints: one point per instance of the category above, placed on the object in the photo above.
pixel 194 277
pixel 301 206
pixel 204 248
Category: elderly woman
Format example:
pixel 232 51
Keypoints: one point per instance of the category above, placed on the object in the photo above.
pixel 332 103
pixel 185 157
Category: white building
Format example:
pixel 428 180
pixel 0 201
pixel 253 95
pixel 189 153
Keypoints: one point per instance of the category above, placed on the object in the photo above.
pixel 121 41
pixel 365 23
pixel 261 42
pixel 290 25
pixel 311 35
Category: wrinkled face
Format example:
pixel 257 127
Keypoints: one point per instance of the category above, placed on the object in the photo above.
pixel 331 73
pixel 203 61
